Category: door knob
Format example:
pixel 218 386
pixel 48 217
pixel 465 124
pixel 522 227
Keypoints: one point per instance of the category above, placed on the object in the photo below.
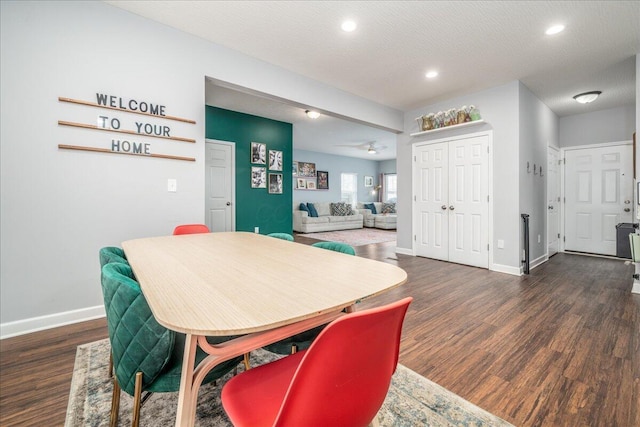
pixel 451 207
pixel 444 207
pixel 627 210
pixel 550 207
pixel 228 203
pixel 626 202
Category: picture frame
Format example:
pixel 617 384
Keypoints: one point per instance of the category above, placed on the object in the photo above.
pixel 275 160
pixel 275 183
pixel 294 168
pixel 258 177
pixel 311 185
pixel 368 181
pixel 323 180
pixel 306 169
pixel 258 153
pixel 301 183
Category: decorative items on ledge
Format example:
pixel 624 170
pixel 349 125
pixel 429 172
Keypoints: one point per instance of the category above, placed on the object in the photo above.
pixel 448 118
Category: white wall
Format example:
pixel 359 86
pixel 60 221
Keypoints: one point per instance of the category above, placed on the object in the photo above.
pixel 499 108
pixel 538 130
pixel 611 125
pixel 59 207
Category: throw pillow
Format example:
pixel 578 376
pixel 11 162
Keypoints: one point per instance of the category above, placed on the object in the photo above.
pixel 341 209
pixel 388 208
pixel 312 210
pixel 371 207
pixel 303 207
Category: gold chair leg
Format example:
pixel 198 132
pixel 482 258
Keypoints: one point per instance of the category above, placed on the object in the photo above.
pixel 115 403
pixel 247 363
pixel 135 418
pixel 294 349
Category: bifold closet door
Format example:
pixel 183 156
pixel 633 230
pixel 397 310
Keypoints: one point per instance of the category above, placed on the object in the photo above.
pixel 451 207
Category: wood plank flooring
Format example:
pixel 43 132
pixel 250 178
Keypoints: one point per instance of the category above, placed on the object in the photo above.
pixel 559 347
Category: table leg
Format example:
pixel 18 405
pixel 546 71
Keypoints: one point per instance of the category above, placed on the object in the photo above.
pixel 187 397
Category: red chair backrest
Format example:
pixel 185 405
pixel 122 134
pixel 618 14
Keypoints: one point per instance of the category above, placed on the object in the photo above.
pixel 190 229
pixel 344 376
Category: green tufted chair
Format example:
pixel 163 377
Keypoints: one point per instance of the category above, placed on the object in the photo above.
pixel 303 340
pixel 110 254
pixel 336 246
pixel 146 355
pixel 283 236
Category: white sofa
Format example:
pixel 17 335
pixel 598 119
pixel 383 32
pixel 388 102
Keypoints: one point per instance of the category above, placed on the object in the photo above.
pixel 304 223
pixel 386 221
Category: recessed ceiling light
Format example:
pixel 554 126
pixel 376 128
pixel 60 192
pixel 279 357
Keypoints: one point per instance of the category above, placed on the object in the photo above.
pixel 554 30
pixel 312 114
pixel 349 26
pixel 587 97
pixel 431 74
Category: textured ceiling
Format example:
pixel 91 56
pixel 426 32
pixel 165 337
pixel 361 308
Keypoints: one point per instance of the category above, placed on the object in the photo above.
pixel 474 45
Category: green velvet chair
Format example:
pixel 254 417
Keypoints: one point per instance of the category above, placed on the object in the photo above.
pixel 303 340
pixel 336 246
pixel 146 355
pixel 283 236
pixel 110 254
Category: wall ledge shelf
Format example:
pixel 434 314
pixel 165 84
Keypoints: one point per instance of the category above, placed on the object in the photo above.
pixel 461 125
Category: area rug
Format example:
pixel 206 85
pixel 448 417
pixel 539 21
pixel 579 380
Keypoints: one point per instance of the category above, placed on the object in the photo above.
pixel 358 237
pixel 412 400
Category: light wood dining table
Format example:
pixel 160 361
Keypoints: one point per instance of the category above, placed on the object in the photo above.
pixel 241 283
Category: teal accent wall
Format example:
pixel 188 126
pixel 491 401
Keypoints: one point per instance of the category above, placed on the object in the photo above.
pixel 255 207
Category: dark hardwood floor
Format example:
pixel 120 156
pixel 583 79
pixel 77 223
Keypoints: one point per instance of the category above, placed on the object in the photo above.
pixel 559 347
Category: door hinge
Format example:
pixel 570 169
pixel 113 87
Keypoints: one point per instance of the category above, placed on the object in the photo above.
pixel 487 247
pixel 564 161
pixel 564 238
pixel 414 238
pixel 415 158
pixel 487 197
pixel 558 235
pixel 558 198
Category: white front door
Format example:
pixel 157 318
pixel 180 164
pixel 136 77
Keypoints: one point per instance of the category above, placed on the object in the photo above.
pixel 599 194
pixel 220 186
pixel 553 202
pixel 451 209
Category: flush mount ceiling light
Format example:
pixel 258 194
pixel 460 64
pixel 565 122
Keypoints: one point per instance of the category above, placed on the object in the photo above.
pixel 312 114
pixel 554 30
pixel 431 74
pixel 587 97
pixel 349 26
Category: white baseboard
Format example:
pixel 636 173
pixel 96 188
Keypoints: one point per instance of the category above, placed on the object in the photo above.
pixel 538 261
pixel 404 251
pixel 516 271
pixel 26 326
pixel 636 287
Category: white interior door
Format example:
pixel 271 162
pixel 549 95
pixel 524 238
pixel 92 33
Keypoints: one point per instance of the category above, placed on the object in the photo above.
pixel 553 202
pixel 468 201
pixel 431 212
pixel 220 186
pixel 451 207
pixel 599 194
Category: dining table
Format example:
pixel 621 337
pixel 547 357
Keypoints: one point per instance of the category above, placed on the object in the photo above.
pixel 261 288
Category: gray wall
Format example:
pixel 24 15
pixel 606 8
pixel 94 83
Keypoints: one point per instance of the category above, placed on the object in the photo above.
pixel 538 130
pixel 59 207
pixel 499 108
pixel 611 125
pixel 336 165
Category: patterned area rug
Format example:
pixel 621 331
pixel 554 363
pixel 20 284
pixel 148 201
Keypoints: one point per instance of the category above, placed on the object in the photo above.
pixel 412 400
pixel 357 237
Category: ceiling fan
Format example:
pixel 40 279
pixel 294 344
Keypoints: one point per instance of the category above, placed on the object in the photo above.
pixel 369 147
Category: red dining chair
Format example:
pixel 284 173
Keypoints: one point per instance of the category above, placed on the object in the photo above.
pixel 190 229
pixel 341 380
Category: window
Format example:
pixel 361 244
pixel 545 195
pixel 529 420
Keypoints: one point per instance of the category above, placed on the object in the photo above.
pixel 390 188
pixel 349 188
